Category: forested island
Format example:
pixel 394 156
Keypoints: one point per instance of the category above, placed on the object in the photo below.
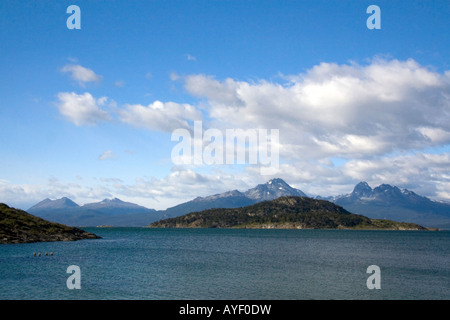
pixel 284 213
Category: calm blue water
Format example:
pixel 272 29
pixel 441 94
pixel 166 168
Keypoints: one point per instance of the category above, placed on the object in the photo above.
pixel 166 264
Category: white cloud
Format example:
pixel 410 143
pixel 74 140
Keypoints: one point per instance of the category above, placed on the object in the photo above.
pixel 435 135
pixel 190 57
pixel 119 83
pixel 81 74
pixel 82 109
pixel 225 94
pixel 162 116
pixel 173 76
pixel 108 154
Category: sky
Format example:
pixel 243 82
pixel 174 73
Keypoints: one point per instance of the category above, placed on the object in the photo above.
pixel 89 113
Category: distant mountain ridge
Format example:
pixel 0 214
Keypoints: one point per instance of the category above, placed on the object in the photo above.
pixel 386 201
pixel 382 202
pixel 62 203
pixel 66 203
pixel 114 212
pixel 113 203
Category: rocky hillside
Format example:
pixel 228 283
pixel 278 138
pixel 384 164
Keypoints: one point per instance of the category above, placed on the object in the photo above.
pixel 283 213
pixel 17 226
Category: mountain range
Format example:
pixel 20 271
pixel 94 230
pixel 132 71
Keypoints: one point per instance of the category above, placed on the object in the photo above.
pixel 390 202
pixel 114 212
pixel 382 202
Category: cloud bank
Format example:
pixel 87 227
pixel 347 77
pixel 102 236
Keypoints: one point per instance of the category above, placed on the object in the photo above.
pixel 351 111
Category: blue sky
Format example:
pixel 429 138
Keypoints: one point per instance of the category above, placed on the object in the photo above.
pixel 351 103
